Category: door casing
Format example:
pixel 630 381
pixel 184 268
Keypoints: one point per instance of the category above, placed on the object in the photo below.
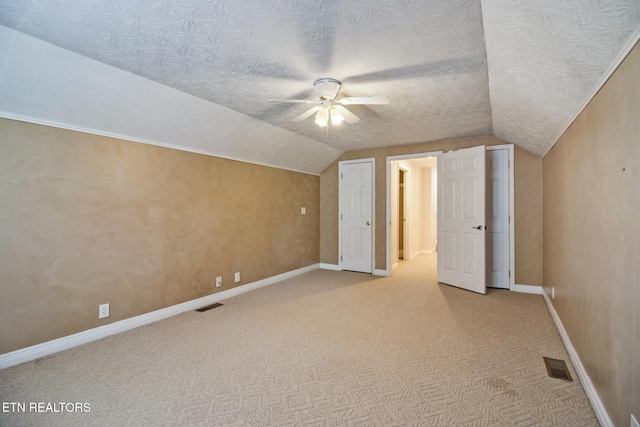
pixel 497 219
pixel 511 208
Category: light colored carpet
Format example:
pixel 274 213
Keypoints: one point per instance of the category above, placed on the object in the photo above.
pixel 323 349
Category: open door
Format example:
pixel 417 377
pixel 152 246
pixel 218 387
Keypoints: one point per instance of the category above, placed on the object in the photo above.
pixel 461 219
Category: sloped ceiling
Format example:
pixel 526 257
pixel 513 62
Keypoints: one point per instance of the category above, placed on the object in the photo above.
pixel 451 68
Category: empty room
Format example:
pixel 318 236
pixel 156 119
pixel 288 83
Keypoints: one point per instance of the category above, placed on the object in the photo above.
pixel 320 213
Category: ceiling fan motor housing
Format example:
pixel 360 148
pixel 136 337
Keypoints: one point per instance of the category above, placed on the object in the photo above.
pixel 327 88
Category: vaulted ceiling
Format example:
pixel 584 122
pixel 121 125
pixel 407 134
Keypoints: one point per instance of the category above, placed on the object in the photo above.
pixel 451 68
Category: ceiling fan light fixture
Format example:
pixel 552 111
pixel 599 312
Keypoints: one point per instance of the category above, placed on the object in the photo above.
pixel 327 88
pixel 331 108
pixel 322 118
pixel 336 117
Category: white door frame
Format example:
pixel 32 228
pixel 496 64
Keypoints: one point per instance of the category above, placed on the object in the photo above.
pixel 512 216
pixel 371 160
pixel 512 222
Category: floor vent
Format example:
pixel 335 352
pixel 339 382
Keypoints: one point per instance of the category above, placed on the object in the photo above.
pixel 557 368
pixel 209 307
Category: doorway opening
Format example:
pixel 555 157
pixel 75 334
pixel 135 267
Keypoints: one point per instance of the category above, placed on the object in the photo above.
pixel 413 215
pixel 402 212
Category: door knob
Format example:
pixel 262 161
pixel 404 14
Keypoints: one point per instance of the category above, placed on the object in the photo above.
pixel 368 222
pixel 478 227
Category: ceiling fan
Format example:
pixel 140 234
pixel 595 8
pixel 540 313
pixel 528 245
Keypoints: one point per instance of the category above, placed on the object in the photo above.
pixel 331 108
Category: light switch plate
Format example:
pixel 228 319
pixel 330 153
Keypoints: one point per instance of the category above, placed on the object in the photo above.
pixel 303 211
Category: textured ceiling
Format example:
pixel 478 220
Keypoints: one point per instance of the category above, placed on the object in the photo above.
pixel 451 68
pixel 546 58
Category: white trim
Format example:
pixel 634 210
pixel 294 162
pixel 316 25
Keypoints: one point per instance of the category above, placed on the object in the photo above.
pixel 598 407
pixel 333 267
pixel 371 160
pixel 378 272
pixel 64 343
pixel 528 289
pixel 512 211
pixel 622 54
pixel 37 121
pixel 390 159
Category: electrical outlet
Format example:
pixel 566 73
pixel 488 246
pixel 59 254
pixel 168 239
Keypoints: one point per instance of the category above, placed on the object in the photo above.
pixel 303 211
pixel 103 311
pixel 218 281
pixel 553 293
pixel 237 277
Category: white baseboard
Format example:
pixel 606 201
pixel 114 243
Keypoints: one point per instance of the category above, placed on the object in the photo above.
pixel 528 289
pixel 333 267
pixel 64 343
pixel 598 407
pixel 422 252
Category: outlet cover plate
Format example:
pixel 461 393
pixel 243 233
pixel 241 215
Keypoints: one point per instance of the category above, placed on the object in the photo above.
pixel 218 281
pixel 103 311
pixel 237 277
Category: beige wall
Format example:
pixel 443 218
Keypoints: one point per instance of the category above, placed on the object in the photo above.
pixel 591 238
pixel 86 220
pixel 527 203
pixel 429 209
pixel 528 212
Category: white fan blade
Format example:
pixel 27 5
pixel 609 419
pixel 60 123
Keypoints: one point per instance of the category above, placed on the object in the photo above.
pixel 364 100
pixel 306 114
pixel 297 101
pixel 349 117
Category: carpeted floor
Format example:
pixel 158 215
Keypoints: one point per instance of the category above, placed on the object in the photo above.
pixel 323 349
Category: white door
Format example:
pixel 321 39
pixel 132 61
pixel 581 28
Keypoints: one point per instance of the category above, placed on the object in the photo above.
pixel 497 234
pixel 461 219
pixel 356 216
